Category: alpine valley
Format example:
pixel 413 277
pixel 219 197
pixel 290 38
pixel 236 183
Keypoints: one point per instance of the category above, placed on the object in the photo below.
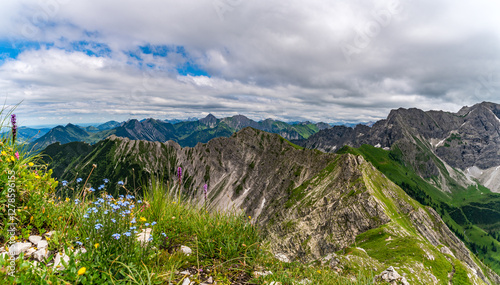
pixel 418 191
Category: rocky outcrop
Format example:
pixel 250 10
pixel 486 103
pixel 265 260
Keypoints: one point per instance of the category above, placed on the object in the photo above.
pixel 391 276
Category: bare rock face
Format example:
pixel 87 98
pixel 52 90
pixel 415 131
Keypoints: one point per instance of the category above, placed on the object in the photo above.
pixel 337 206
pixel 468 138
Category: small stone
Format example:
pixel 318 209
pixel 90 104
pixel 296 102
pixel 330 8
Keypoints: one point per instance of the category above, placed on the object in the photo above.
pixel 19 247
pixel 305 282
pixel 42 244
pixel 187 281
pixel 185 272
pixel 391 276
pixel 275 283
pixel 186 250
pixel 282 257
pixel 35 239
pixel 258 274
pixel 30 251
pixel 60 257
pixel 210 280
pixel 41 254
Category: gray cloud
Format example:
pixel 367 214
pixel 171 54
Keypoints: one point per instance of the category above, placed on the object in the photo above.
pixel 317 60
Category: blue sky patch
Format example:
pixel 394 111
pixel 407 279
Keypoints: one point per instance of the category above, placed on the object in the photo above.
pixel 92 48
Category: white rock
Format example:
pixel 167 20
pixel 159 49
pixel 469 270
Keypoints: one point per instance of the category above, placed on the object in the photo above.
pixel 41 254
pixel 391 276
pixel 42 244
pixel 305 282
pixel 30 251
pixel 19 247
pixel 275 283
pixel 60 257
pixel 446 250
pixel 258 274
pixel 282 257
pixel 35 239
pixel 185 272
pixel 186 250
pixel 187 281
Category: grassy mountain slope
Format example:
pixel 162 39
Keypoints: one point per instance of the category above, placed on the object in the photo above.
pixel 473 213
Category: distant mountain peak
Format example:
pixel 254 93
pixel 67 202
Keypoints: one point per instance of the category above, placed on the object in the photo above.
pixel 209 120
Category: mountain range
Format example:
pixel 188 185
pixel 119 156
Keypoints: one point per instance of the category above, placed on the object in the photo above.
pixel 409 191
pixel 186 133
pixel 310 205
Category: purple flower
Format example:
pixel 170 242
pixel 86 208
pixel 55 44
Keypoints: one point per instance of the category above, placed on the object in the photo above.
pixel 78 180
pixel 116 236
pixel 105 180
pixel 14 127
pixel 120 183
pixel 205 188
pixel 179 174
pixel 64 183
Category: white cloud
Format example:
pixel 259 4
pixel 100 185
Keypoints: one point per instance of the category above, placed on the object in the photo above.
pixel 266 58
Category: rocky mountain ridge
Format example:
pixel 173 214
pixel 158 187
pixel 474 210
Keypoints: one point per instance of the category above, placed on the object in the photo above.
pixel 468 139
pixel 310 205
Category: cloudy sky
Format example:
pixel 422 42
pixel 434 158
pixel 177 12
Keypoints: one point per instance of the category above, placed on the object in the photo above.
pixel 321 60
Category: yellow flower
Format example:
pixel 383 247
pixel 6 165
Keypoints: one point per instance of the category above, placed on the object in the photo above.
pixel 31 219
pixel 47 238
pixel 31 164
pixel 4 153
pixel 67 199
pixel 96 245
pixel 13 158
pixel 81 271
pixel 142 219
pixel 250 217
